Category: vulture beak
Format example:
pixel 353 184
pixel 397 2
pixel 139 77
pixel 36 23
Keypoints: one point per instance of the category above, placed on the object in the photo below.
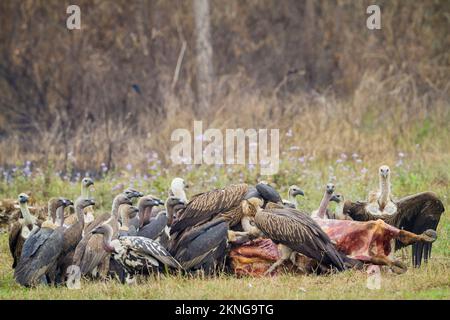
pixel 157 202
pixel 298 193
pixel 68 202
pixel 91 202
pixel 336 198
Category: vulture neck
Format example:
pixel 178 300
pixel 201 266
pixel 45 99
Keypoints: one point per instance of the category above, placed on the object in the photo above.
pixel 80 214
pixel 323 205
pixel 124 216
pixel 59 220
pixel 115 208
pixel 27 217
pixel 85 191
pixel 170 213
pixel 144 214
pixel 385 191
pixel 52 211
pixel 292 199
pixel 107 237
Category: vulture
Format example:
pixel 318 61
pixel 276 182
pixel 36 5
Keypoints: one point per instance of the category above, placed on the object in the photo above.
pixel 159 224
pixel 21 229
pixel 322 212
pixel 296 232
pixel 415 213
pixel 137 255
pixel 89 256
pixel 293 192
pixel 42 253
pixel 72 237
pixel 381 201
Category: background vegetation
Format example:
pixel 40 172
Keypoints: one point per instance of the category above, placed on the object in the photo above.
pixel 103 101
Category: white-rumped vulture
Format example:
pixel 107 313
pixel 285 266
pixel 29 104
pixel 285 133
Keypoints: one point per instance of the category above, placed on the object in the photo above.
pixel 21 229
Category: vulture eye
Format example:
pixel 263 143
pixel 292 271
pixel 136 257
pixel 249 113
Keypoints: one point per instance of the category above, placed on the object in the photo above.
pixel 252 223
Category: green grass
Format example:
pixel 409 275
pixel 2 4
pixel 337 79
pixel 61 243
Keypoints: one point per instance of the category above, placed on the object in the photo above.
pixel 431 281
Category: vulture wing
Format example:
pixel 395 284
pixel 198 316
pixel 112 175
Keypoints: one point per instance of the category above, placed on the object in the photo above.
pixel 14 235
pixel 416 213
pixel 301 233
pixel 30 270
pixel 225 202
pixel 34 241
pixel 145 246
pixel 197 246
pixel 155 227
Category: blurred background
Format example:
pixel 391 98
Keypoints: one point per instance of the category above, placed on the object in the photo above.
pixel 108 96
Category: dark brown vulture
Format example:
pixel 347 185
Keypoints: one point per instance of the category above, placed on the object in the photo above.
pixel 21 229
pixel 296 232
pixel 90 256
pixel 416 213
pixel 42 249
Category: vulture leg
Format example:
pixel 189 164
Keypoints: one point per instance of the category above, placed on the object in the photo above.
pixel 285 255
pixel 73 277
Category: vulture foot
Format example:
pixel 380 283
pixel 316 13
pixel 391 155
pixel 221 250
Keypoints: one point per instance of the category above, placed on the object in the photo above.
pixel 73 277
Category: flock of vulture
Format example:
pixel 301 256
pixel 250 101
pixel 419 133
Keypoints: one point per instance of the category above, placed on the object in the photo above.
pixel 240 229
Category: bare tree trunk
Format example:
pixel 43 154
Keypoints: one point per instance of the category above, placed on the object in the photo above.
pixel 205 72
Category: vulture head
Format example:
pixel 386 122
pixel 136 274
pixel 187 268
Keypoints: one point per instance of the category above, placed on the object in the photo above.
pixel 295 191
pixel 107 231
pixel 384 172
pixel 338 198
pixel 23 198
pixel 87 182
pixel 122 198
pixel 132 211
pixel 82 203
pixel 133 193
pixel 251 206
pixel 330 188
pixel 145 206
pixel 177 188
pixel 54 204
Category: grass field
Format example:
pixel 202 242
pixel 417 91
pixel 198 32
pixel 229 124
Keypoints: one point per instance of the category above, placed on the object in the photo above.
pixel 353 178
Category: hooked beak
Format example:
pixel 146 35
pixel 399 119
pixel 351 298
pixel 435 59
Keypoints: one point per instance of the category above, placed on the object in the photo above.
pixel 68 202
pixel 92 202
pixel 298 193
pixel 157 202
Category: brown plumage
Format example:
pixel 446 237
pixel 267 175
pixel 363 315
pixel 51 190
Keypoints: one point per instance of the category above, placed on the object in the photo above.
pixel 297 232
pixel 73 234
pixel 89 253
pixel 416 213
pixel 206 206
